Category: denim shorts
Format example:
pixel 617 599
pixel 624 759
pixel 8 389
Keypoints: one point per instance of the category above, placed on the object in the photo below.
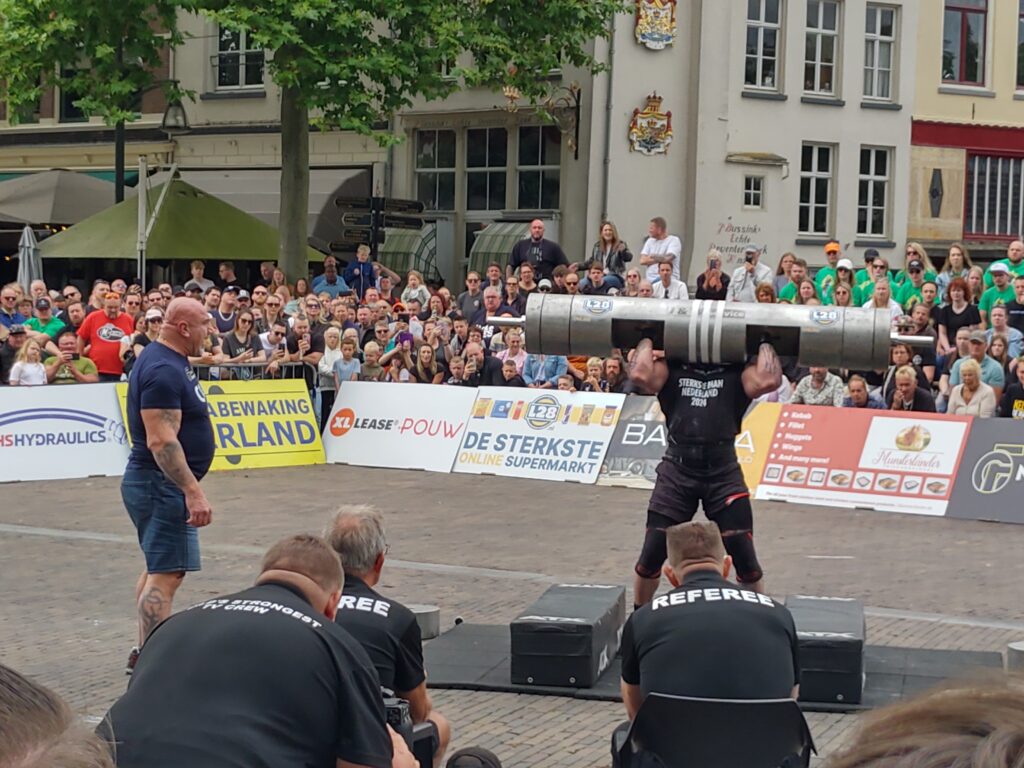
pixel 157 508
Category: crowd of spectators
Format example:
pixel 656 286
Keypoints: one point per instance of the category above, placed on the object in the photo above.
pixel 367 323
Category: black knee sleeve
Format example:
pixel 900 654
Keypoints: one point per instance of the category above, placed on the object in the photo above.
pixel 736 523
pixel 654 551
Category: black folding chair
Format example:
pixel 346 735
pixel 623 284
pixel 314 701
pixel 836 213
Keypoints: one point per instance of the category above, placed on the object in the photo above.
pixel 685 732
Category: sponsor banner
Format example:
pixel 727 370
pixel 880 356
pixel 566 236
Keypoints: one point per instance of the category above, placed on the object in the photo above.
pixel 640 441
pixel 848 457
pixel 543 434
pixel 990 484
pixel 267 423
pixel 402 426
pixel 60 432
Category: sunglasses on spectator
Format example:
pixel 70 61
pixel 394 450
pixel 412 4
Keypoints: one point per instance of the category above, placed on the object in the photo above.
pixel 259 293
pixel 9 298
pixel 473 280
pixel 572 282
pixel 312 305
pixel 70 295
pixel 245 320
pixel 155 320
pixel 273 303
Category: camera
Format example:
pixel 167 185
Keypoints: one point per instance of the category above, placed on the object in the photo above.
pixel 749 258
pixel 421 739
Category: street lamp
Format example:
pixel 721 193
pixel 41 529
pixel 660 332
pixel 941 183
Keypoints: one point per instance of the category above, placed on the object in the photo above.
pixel 173 123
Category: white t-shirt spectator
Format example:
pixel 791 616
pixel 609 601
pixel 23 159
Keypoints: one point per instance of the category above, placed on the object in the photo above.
pixel 895 310
pixel 28 374
pixel 674 290
pixel 269 346
pixel 668 245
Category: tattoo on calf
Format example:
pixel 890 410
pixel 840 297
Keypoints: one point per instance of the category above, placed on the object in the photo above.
pixel 154 607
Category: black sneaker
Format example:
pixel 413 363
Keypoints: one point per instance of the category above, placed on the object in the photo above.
pixel 133 659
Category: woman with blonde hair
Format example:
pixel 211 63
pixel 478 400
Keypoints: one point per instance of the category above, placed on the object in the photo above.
pixel 881 298
pixel 712 283
pixel 632 282
pixel 976 282
pixel 427 369
pixel 916 252
pixel 612 253
pixel 972 397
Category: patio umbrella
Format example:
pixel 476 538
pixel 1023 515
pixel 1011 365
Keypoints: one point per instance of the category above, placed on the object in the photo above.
pixel 30 264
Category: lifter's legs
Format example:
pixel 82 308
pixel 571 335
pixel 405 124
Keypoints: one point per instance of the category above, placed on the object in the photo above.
pixel 154 600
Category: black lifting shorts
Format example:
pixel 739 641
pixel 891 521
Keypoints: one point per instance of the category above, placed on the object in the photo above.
pixel 680 488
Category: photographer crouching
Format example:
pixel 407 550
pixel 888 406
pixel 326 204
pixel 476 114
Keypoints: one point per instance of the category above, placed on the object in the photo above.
pixel 386 629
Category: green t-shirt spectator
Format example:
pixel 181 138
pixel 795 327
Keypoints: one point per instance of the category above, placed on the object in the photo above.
pixel 51 329
pixel 903 279
pixel 908 295
pixel 993 296
pixel 83 365
pixel 1015 269
pixel 788 293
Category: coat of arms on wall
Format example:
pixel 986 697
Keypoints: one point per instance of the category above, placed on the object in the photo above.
pixel 656 23
pixel 650 131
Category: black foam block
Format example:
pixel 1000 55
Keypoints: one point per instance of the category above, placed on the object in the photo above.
pixel 569 636
pixel 831 633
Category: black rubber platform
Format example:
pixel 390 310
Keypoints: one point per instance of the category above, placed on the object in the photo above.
pixel 475 657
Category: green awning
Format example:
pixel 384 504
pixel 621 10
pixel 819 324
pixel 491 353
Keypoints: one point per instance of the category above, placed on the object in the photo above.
pixel 131 178
pixel 405 249
pixel 494 243
pixel 191 225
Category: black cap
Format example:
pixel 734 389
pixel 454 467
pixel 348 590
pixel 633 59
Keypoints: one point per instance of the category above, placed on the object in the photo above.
pixel 232 289
pixel 191 286
pixel 915 264
pixel 871 253
pixel 177 291
pixel 473 757
pixel 16 330
pixel 43 303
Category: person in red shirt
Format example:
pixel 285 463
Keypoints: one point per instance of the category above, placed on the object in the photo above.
pixel 100 336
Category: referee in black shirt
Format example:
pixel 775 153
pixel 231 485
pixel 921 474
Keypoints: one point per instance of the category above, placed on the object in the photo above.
pixel 384 627
pixel 708 637
pixel 258 679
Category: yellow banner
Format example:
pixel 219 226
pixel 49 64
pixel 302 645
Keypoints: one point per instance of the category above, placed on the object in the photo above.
pixel 258 423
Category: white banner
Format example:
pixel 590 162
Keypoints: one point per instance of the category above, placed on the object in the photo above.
pixel 543 434
pixel 61 431
pixel 401 426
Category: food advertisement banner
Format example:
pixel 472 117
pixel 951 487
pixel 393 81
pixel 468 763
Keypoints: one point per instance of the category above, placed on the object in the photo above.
pixel 848 457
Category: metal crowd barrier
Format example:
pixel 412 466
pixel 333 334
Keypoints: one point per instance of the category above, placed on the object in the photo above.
pixel 255 372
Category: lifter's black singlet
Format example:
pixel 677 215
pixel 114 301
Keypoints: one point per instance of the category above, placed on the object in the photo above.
pixel 703 403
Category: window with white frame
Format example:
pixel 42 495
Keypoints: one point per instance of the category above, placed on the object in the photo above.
pixel 486 168
pixel 539 167
pixel 238 62
pixel 762 53
pixel 816 175
pixel 995 196
pixel 879 52
pixel 821 47
pixel 1020 46
pixel 435 169
pixel 753 192
pixel 874 183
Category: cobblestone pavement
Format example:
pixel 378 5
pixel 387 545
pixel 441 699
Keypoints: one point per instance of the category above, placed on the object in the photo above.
pixel 481 548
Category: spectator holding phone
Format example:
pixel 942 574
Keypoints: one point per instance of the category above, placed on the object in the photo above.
pixel 711 283
pixel 69 367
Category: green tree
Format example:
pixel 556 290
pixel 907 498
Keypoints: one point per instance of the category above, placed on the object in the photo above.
pixel 352 64
pixel 103 52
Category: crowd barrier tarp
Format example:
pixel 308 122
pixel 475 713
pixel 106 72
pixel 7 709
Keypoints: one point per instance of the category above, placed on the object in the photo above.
pixel 990 484
pixel 640 441
pixel 401 426
pixel 268 423
pixel 541 434
pixel 850 457
pixel 61 432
